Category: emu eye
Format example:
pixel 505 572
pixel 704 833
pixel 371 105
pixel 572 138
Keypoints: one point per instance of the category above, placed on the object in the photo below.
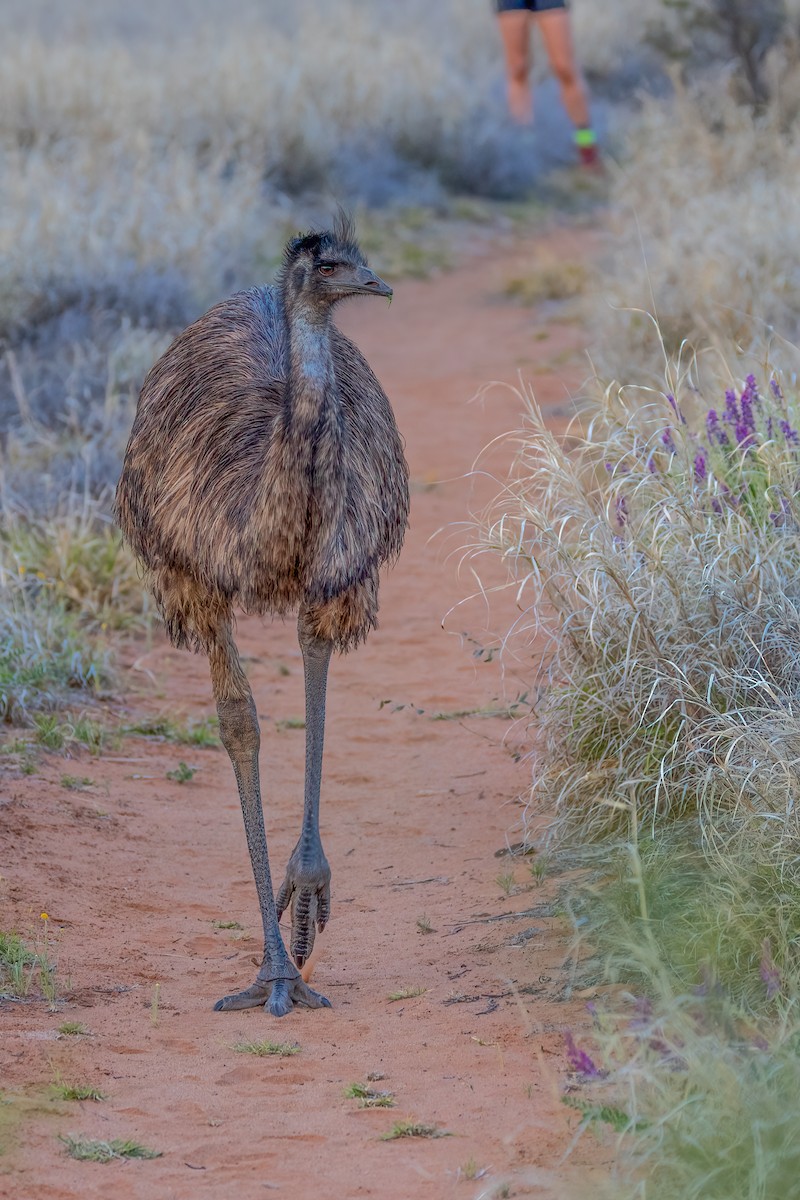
pixel 326 268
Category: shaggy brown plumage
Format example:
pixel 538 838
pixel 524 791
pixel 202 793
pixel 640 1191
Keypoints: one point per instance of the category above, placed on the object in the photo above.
pixel 236 491
pixel 264 471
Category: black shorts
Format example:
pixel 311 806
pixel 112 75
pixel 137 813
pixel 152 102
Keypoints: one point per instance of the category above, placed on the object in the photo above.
pixel 531 6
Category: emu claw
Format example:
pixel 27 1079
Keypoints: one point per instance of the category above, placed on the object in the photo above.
pixel 277 996
pixel 308 891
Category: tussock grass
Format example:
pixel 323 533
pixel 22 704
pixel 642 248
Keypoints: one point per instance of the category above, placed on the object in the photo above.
pixel 201 732
pixel 88 1150
pixel 408 993
pixel 703 234
pixel 73 1029
pixel 76 1091
pixel 65 587
pixel 181 774
pixel 23 968
pixel 369 1097
pixel 267 1049
pixel 656 562
pixel 549 281
pixel 413 1129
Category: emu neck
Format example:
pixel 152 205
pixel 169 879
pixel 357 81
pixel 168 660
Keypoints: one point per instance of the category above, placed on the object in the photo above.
pixel 311 384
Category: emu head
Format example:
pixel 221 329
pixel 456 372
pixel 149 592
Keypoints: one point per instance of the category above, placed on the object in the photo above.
pixel 320 269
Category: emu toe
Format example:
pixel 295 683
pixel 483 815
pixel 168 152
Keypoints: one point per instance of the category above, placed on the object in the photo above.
pixel 308 891
pixel 277 996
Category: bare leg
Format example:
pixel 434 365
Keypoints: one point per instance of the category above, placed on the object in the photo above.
pixel 556 31
pixel 307 885
pixel 278 984
pixel 515 30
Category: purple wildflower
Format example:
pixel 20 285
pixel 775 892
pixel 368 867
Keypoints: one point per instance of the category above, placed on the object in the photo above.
pixel 744 435
pixel 666 440
pixel 621 508
pixel 790 434
pixel 715 433
pixel 775 388
pixel 731 407
pixel 579 1060
pixel 768 970
pixel 700 467
pixel 770 428
pixel 750 392
pixel 717 507
pixel 651 465
pixel 675 408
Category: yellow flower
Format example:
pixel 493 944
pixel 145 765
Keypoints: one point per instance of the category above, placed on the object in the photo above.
pixel 45 917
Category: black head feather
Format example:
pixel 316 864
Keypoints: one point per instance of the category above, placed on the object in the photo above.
pixel 339 241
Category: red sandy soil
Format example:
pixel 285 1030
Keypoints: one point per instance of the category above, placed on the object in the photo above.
pixel 135 872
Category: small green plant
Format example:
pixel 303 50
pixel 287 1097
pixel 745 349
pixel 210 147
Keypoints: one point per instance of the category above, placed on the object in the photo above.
pixel 424 925
pixel 291 723
pixel 469 1170
pixel 76 1091
pixel 203 732
pixel 369 1097
pixel 50 732
pixel 406 994
pixel 227 925
pixel 539 869
pixel 268 1049
pixel 551 281
pixel 86 1150
pixel 21 966
pixel 182 773
pixel 76 783
pixel 607 1114
pixel 413 1129
pixel 73 1029
pixel 505 882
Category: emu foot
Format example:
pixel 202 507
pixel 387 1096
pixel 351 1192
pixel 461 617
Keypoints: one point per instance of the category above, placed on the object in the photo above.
pixel 307 887
pixel 277 996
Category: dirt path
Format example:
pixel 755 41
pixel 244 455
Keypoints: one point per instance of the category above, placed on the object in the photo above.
pixel 135 872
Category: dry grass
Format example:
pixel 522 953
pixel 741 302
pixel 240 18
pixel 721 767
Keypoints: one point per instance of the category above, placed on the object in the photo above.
pixel 656 560
pixel 704 235
pixel 660 567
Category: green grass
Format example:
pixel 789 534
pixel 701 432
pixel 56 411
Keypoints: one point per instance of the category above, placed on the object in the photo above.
pixel 76 783
pixel 182 773
pixel 86 1150
pixel 267 1049
pixel 505 882
pixel 73 1029
pixel 549 281
pixel 227 925
pixel 76 1091
pixel 202 732
pixel 52 732
pixel 657 565
pixel 406 994
pixel 413 1129
pixel 369 1097
pixel 23 967
pixel 291 723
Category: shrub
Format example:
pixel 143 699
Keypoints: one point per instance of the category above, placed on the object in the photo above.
pixel 659 559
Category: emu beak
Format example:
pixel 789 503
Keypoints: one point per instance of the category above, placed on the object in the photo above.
pixel 370 284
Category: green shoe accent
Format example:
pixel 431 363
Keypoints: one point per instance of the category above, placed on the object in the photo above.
pixel 585 137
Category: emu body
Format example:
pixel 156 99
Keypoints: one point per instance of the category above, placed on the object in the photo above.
pixel 265 472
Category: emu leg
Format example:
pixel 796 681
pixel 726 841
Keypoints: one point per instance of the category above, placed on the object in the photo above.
pixel 278 984
pixel 307 885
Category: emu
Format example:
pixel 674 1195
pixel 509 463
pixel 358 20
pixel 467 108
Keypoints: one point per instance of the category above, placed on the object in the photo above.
pixel 264 471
